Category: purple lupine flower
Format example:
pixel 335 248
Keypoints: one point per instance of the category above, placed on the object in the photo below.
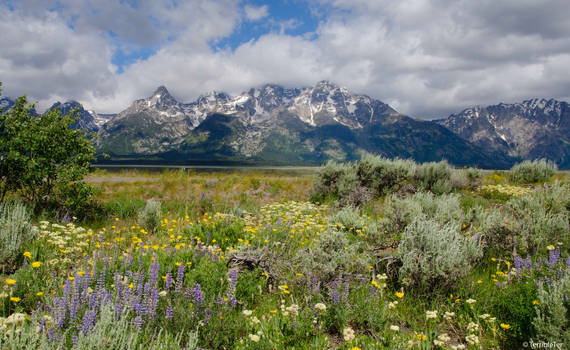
pixel 153 303
pixel 220 300
pixel 118 308
pixel 153 277
pixel 73 306
pixel 528 262
pixel 553 256
pixel 316 285
pixel 568 261
pixel 168 281
pixel 335 297
pixel 179 278
pixel 101 279
pixel 93 301
pixel 52 336
pixel 169 312
pixel 233 278
pixel 137 322
pixel 208 315
pixel 86 282
pixel 88 322
pixel 197 293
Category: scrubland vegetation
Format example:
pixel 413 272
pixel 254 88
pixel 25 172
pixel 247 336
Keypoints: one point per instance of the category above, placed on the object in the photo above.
pixel 374 254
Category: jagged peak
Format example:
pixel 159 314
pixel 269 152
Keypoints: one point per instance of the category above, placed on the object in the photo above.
pixel 161 90
pixel 326 84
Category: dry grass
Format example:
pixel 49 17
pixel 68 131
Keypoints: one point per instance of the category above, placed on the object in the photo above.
pixel 177 189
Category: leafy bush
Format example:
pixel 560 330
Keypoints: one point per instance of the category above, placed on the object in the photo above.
pixel 531 221
pixel 15 230
pixel 349 219
pixel 540 170
pixel 332 257
pixel 400 212
pixel 514 306
pixel 334 180
pixel 543 217
pixel 552 321
pixel 43 159
pixel 356 183
pixel 383 175
pixel 150 216
pixel 434 177
pixel 435 255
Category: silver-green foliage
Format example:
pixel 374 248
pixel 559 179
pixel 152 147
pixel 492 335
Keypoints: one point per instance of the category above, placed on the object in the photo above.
pixel 332 257
pixel 350 219
pixel 435 254
pixel 434 177
pixel 15 230
pixel 382 175
pixel 149 217
pixel 542 216
pixel 108 333
pixel 400 212
pixel 530 222
pixel 552 322
pixel 539 170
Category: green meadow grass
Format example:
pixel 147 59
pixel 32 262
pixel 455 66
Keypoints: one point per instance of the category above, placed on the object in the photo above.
pixel 245 260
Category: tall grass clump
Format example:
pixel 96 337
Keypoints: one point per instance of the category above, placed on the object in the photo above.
pixel 149 217
pixel 435 255
pixel 15 230
pixel 540 170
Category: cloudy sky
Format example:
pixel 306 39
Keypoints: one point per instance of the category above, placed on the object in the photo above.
pixel 425 58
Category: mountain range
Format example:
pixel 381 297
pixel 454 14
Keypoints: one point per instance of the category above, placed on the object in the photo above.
pixel 272 124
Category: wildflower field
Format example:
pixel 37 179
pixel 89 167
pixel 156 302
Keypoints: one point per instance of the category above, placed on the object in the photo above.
pixel 376 254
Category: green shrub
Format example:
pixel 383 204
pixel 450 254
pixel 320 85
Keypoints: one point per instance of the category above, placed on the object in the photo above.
pixel 530 222
pixel 533 171
pixel 542 217
pixel 334 180
pixel 400 212
pixel 513 306
pixel 15 230
pixel 331 258
pixel 350 219
pixel 552 321
pixel 434 177
pixel 435 255
pixel 42 157
pixel 383 175
pixel 149 217
pixel 356 183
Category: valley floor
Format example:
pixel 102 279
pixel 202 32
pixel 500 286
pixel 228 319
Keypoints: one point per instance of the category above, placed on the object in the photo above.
pixel 257 260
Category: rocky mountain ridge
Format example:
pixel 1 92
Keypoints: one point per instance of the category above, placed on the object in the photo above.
pixel 532 129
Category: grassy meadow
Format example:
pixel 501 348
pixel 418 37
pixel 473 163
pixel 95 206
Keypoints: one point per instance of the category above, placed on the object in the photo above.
pixel 377 254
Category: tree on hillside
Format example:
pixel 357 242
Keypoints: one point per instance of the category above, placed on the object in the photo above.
pixel 42 159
